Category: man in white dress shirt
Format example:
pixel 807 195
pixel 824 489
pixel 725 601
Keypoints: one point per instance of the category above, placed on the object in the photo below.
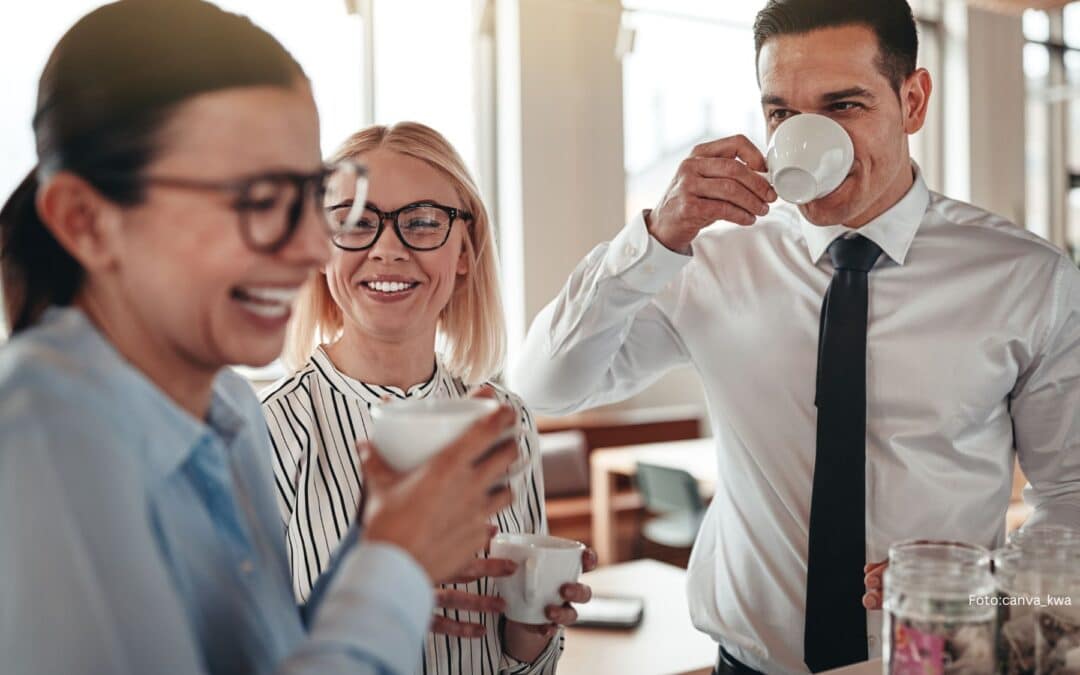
pixel 970 326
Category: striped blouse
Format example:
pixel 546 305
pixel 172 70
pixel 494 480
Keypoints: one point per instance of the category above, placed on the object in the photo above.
pixel 315 418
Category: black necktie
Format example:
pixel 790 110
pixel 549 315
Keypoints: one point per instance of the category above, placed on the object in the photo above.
pixel 835 632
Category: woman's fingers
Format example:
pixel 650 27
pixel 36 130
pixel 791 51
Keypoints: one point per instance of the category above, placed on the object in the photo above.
pixel 564 615
pixel 485 567
pixel 497 462
pixel 485 391
pixel 469 535
pixel 492 531
pixel 498 499
pixel 477 439
pixel 374 468
pixel 449 598
pixel 443 626
pixel 579 593
pixel 589 560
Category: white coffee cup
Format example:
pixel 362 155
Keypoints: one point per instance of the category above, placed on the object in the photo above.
pixel 408 432
pixel 544 564
pixel 809 157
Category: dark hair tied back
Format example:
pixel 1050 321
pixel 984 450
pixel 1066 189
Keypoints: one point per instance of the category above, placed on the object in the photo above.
pixel 109 87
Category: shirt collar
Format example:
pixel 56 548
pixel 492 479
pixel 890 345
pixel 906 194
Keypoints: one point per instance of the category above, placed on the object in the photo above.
pixel 893 230
pixel 374 393
pixel 171 433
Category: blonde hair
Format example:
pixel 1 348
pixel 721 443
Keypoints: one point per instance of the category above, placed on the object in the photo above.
pixel 471 330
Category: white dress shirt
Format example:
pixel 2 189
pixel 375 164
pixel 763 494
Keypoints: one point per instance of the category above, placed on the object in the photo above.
pixel 315 417
pixel 973 352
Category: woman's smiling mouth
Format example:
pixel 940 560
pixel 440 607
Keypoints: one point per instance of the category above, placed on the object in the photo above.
pixel 390 286
pixel 267 302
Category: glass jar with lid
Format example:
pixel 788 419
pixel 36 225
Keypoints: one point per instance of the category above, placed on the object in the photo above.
pixel 939 616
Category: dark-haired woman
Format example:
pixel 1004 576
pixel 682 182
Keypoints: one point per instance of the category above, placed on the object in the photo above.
pixel 175 211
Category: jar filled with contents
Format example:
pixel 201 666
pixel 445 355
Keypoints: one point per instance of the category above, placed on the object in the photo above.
pixel 1038 587
pixel 1045 538
pixel 940 617
pixel 1016 582
pixel 1057 640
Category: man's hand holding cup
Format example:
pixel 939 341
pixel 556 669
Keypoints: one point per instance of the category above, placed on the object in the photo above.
pixel 718 181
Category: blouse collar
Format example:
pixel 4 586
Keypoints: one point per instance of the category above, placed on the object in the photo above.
pixel 370 392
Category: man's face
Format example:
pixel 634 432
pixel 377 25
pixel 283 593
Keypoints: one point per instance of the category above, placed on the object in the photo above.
pixel 834 72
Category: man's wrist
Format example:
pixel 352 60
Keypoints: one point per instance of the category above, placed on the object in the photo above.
pixel 682 248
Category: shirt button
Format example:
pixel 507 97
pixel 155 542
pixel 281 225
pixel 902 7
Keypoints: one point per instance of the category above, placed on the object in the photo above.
pixel 630 251
pixel 649 269
pixel 247 567
pixel 871 641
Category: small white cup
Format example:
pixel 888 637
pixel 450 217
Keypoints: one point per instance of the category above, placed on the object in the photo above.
pixel 544 563
pixel 809 157
pixel 408 432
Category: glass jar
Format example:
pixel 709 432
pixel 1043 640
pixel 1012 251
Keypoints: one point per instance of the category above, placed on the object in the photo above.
pixel 939 614
pixel 1017 585
pixel 1057 618
pixel 1049 537
pixel 1038 588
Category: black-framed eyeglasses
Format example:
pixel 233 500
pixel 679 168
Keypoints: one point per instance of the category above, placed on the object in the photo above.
pixel 270 205
pixel 421 226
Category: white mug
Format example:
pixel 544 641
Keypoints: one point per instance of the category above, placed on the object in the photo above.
pixel 409 432
pixel 544 564
pixel 809 157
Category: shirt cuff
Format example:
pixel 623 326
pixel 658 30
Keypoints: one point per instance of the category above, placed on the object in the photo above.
pixel 640 261
pixel 380 603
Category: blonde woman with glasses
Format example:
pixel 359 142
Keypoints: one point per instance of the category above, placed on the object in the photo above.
pixel 407 307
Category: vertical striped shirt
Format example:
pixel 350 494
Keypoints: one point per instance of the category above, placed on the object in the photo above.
pixel 315 418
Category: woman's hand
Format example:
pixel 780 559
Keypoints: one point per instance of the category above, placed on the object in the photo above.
pixel 439 512
pixel 875 584
pixel 525 641
pixel 448 598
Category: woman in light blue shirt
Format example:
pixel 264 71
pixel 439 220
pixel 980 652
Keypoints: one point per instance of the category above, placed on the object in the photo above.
pixel 174 212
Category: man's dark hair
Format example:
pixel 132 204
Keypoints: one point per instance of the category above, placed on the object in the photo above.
pixel 891 20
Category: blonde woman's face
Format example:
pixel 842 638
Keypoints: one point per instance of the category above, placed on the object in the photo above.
pixel 390 292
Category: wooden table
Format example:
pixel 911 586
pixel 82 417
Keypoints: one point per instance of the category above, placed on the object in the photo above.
pixel 697 457
pixel 665 643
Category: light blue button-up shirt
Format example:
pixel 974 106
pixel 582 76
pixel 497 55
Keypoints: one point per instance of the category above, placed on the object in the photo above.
pixel 136 539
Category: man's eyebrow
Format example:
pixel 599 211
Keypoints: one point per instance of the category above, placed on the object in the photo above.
pixel 340 205
pixel 851 92
pixel 829 97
